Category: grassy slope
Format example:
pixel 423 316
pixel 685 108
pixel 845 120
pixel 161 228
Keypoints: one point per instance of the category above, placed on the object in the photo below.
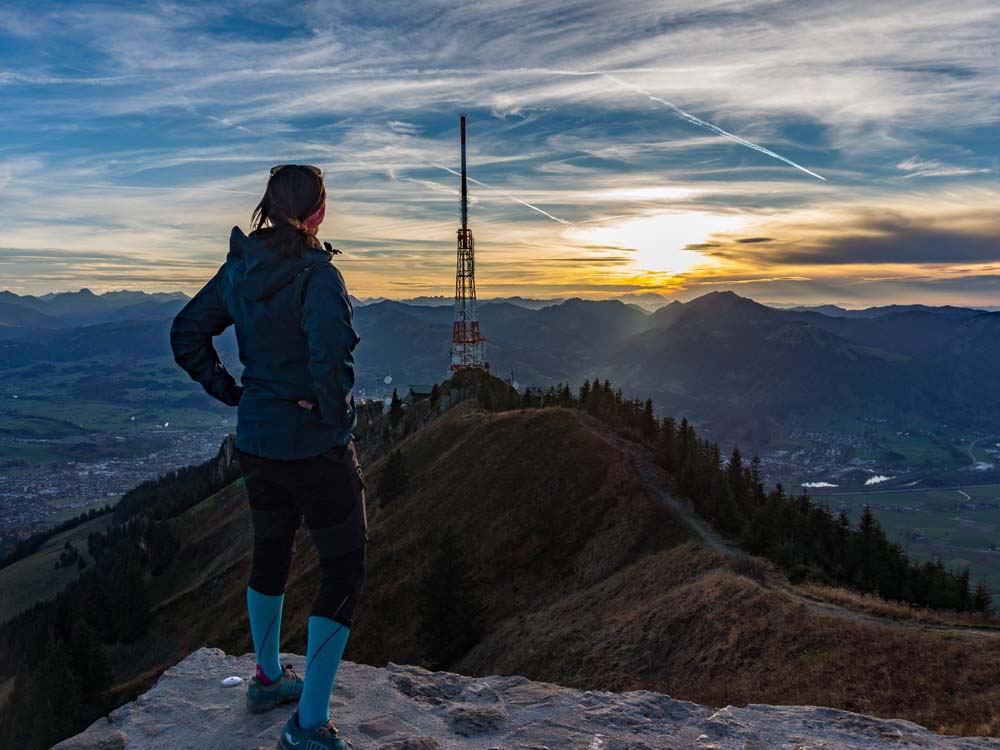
pixel 35 579
pixel 587 581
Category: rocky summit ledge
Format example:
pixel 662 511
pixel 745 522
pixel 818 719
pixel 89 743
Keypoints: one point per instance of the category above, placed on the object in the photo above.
pixel 409 708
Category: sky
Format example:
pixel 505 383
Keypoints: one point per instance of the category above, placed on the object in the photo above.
pixel 794 152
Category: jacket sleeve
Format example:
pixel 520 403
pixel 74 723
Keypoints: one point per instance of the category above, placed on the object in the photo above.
pixel 327 320
pixel 203 317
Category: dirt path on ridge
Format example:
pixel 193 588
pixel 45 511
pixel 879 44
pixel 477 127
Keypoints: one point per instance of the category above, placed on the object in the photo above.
pixel 653 478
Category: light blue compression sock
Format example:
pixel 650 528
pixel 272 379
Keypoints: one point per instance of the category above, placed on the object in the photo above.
pixel 265 627
pixel 327 639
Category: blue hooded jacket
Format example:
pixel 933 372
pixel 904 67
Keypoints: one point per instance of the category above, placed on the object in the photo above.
pixel 293 320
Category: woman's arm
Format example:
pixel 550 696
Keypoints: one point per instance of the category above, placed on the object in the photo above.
pixel 203 317
pixel 327 320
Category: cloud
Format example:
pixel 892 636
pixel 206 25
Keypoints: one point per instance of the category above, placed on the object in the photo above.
pixel 914 166
pixel 943 228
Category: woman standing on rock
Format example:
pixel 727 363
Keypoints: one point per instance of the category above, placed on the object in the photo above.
pixel 293 320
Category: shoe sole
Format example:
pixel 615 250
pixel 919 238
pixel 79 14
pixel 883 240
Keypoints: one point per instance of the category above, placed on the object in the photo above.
pixel 282 746
pixel 260 706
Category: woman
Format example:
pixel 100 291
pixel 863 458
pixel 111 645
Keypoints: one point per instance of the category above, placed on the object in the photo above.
pixel 293 320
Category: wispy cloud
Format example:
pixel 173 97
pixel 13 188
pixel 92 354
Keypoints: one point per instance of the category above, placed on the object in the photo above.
pixel 914 166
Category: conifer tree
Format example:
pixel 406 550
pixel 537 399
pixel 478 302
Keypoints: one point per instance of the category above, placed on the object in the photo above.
pixel 963 594
pixel 132 610
pixel 981 599
pixel 449 612
pixel 395 409
pixel 734 475
pixel 89 660
pixel 650 427
pixel 593 398
pixel 395 477
pixel 756 481
pixel 566 397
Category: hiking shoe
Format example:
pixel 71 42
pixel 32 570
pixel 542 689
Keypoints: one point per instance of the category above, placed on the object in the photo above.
pixel 264 697
pixel 324 737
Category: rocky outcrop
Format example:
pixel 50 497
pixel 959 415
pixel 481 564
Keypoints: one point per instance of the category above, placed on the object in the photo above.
pixel 409 708
pixel 226 459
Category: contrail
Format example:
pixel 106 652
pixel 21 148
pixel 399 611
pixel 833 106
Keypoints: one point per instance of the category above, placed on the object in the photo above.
pixel 426 183
pixel 606 218
pixel 506 194
pixel 707 125
pixel 687 116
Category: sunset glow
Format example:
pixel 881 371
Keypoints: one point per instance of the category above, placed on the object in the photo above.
pixel 659 243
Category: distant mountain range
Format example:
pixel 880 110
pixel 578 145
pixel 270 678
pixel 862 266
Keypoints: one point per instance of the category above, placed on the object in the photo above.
pixel 835 311
pixel 737 367
pixel 649 301
pixel 68 309
pixel 441 301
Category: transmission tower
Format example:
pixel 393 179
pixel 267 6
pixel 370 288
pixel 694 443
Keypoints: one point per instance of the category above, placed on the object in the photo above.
pixel 466 343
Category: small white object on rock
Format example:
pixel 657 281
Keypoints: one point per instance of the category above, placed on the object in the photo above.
pixel 409 708
pixel 232 681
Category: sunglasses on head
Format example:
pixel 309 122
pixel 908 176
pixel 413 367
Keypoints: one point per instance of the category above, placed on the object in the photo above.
pixel 315 170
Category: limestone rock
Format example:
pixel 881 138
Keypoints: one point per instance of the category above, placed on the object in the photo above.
pixel 409 708
pixel 100 736
pixel 469 721
pixel 412 743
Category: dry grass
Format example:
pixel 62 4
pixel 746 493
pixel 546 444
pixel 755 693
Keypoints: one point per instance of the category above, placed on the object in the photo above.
pixel 681 622
pixel 900 611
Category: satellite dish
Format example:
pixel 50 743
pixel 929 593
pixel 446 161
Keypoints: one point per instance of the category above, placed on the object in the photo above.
pixel 388 379
pixel 517 386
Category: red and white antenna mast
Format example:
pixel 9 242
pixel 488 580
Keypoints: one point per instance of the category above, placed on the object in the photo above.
pixel 466 343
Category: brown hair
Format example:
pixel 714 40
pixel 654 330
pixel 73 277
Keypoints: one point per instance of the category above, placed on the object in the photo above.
pixel 293 193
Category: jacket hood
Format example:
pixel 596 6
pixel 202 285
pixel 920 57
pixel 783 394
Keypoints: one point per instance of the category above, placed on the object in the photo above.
pixel 257 272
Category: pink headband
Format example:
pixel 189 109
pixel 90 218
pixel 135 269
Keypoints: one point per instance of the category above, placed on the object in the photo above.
pixel 311 223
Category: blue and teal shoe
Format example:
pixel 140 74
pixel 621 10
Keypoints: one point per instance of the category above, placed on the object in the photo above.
pixel 264 697
pixel 323 737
